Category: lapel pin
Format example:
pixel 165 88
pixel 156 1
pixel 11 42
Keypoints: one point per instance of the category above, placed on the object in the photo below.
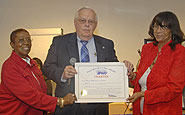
pixel 95 54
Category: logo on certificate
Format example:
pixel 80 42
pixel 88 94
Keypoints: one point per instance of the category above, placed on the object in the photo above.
pixel 101 73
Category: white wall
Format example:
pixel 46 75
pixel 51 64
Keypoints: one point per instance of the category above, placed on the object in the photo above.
pixel 126 22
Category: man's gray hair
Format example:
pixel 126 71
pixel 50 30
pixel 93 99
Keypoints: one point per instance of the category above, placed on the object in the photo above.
pixel 85 7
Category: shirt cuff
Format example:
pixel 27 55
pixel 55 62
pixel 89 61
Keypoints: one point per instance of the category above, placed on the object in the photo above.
pixel 62 79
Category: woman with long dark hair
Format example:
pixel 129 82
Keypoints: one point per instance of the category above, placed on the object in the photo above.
pixel 160 78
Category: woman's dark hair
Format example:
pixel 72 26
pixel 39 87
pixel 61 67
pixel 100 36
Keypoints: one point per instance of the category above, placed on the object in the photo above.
pixel 38 61
pixel 14 33
pixel 171 22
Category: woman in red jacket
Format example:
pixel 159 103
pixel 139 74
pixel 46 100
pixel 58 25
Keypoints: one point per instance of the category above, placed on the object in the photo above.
pixel 23 89
pixel 160 78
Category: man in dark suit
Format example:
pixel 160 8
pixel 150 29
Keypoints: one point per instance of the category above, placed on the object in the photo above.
pixel 59 68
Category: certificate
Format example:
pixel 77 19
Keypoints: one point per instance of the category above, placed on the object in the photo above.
pixel 101 82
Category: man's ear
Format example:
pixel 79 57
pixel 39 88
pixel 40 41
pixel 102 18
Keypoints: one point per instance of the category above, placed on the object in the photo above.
pixel 12 45
pixel 75 23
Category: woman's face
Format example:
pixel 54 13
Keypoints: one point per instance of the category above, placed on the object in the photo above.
pixel 22 44
pixel 162 34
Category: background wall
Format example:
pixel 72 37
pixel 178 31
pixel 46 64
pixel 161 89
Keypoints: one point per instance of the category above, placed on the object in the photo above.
pixel 126 22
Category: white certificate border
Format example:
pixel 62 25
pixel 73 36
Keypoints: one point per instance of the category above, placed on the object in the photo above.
pixel 94 100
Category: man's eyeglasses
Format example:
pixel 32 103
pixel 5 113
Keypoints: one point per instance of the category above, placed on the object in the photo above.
pixel 83 21
pixel 22 40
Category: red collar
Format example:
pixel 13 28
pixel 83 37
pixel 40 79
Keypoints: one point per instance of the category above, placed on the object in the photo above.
pixel 17 59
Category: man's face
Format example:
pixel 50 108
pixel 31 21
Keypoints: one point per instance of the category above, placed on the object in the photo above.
pixel 22 44
pixel 85 24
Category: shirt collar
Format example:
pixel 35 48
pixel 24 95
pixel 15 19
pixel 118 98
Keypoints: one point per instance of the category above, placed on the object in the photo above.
pixel 79 39
pixel 20 61
pixel 27 60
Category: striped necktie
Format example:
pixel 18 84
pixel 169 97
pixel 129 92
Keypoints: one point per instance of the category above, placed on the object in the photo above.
pixel 84 52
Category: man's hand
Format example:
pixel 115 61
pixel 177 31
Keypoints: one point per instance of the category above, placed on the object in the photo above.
pixel 69 72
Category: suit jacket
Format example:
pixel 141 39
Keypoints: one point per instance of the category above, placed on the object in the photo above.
pixel 64 48
pixel 165 81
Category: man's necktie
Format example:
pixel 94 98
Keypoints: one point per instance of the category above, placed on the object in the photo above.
pixel 84 52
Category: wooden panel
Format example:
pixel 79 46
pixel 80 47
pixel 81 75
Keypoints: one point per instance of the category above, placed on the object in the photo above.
pixel 119 108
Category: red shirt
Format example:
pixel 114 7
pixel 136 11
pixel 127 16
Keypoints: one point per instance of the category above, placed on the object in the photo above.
pixel 165 81
pixel 20 92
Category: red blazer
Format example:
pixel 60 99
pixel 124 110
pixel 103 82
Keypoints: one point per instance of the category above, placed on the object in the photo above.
pixel 20 92
pixel 165 81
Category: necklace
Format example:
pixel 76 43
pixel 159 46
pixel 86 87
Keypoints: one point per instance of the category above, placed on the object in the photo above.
pixel 151 66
